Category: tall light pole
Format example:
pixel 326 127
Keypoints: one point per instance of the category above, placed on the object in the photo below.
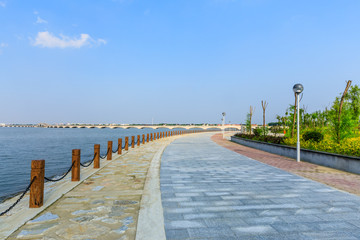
pixel 223 123
pixel 298 88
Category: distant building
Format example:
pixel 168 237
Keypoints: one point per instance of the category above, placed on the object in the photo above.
pixel 2 124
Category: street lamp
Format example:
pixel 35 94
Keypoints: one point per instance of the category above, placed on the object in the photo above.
pixel 298 88
pixel 223 123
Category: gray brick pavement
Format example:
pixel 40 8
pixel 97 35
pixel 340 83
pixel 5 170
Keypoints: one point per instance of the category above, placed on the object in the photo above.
pixel 209 192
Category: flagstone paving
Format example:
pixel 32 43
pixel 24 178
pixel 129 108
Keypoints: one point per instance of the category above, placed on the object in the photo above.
pixel 210 192
pixel 105 206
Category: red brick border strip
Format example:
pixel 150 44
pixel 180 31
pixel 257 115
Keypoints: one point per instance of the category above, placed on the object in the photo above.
pixel 345 181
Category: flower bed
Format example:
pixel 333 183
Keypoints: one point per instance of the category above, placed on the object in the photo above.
pixel 349 146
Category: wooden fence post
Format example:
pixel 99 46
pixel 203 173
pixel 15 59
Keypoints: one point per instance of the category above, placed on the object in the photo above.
pixel 119 146
pixel 138 140
pixel 37 187
pixel 109 154
pixel 126 143
pixel 147 137
pixel 143 137
pixel 132 141
pixel 97 156
pixel 75 171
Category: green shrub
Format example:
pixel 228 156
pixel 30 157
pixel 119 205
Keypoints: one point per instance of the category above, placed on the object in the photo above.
pixel 313 136
pixel 258 132
pixel 269 139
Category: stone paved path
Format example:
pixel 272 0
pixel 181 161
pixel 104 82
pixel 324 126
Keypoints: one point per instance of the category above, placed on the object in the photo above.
pixel 105 206
pixel 342 180
pixel 209 192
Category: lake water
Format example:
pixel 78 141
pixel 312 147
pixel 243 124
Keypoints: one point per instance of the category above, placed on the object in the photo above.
pixel 18 146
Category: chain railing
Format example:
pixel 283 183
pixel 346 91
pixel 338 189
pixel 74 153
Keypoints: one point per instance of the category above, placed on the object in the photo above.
pixel 75 167
pixel 19 199
pixel 89 163
pixel 116 149
pixel 61 178
pixel 103 157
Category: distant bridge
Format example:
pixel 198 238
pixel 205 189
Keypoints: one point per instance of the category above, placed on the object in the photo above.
pixel 186 127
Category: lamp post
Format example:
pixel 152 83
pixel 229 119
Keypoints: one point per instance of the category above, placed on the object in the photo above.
pixel 223 123
pixel 298 88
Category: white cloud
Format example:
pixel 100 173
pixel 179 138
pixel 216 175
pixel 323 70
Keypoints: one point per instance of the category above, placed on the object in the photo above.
pixel 2 4
pixel 2 45
pixel 101 41
pixel 48 40
pixel 39 20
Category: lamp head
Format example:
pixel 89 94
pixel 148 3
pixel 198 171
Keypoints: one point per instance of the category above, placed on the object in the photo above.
pixel 298 88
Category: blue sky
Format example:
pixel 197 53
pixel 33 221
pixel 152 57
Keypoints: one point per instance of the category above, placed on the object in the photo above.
pixel 131 61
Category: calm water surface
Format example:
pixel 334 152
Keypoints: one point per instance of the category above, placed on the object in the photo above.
pixel 18 146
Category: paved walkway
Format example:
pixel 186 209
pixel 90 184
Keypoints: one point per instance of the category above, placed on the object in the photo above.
pixel 209 192
pixel 105 206
pixel 342 180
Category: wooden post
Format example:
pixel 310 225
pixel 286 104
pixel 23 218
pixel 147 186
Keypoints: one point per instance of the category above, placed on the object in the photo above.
pixel 143 137
pixel 109 154
pixel 138 140
pixel 158 134
pixel 151 137
pixel 126 143
pixel 119 146
pixel 147 137
pixel 37 188
pixel 75 171
pixel 132 141
pixel 97 156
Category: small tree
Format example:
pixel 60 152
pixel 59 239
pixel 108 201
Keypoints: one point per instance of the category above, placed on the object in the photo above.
pixel 341 116
pixel 294 116
pixel 264 105
pixel 248 119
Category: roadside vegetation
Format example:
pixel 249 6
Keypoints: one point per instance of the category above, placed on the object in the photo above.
pixel 334 130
